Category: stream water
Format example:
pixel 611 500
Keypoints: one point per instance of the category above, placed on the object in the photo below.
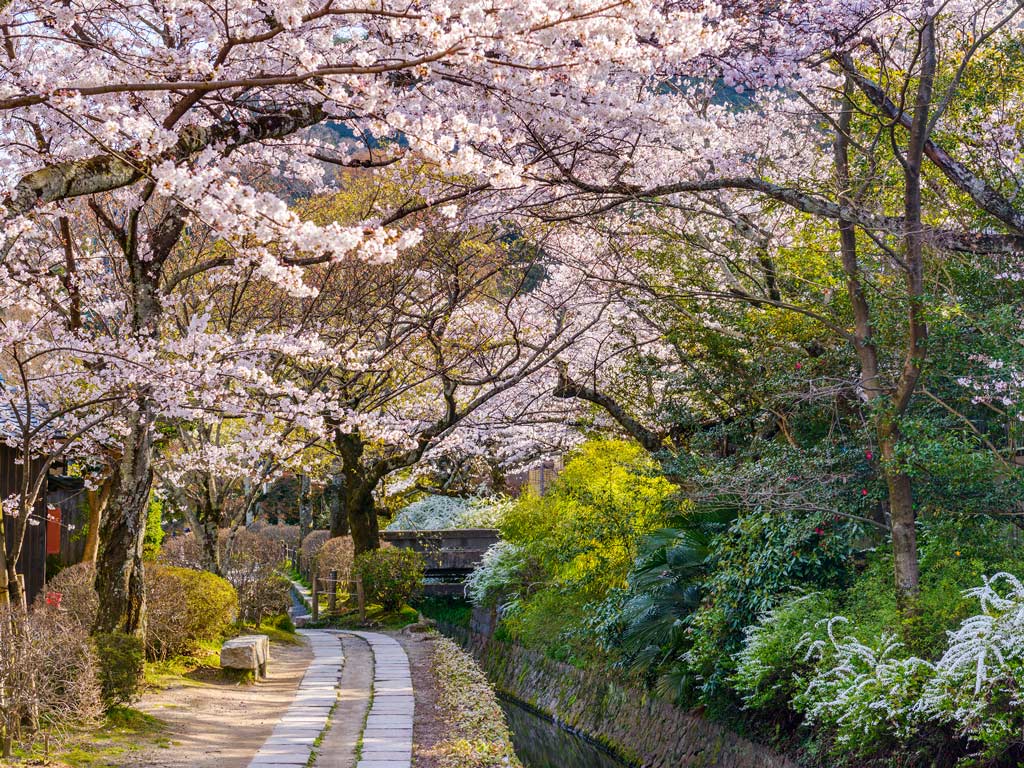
pixel 540 743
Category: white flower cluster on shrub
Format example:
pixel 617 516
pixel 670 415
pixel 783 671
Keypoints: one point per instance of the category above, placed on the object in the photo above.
pixel 497 571
pixel 867 693
pixel 478 736
pixel 433 513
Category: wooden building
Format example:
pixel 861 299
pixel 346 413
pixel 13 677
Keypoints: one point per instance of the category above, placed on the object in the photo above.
pixel 32 563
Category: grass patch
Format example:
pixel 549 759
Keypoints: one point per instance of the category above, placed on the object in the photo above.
pixel 124 730
pixel 447 610
pixel 376 618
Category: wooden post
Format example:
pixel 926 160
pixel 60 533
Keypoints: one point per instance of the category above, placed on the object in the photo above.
pixel 361 599
pixel 316 596
pixel 332 596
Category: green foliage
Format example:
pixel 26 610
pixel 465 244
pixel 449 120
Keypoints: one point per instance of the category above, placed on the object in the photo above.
pixel 771 667
pixel 154 535
pixel 186 609
pixel 564 552
pixel 391 577
pixel 447 610
pixel 121 665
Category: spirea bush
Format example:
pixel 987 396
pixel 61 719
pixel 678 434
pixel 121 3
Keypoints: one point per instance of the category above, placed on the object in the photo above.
pixel 391 577
pixel 496 576
pixel 870 694
pixel 866 694
pixel 769 670
pixel 433 513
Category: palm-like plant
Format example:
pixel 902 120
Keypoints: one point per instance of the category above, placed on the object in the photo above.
pixel 665 589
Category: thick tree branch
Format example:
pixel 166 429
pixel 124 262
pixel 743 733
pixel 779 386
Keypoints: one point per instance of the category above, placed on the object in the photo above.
pixel 103 173
pixel 567 388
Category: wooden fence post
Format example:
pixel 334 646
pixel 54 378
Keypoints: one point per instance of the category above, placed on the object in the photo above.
pixel 361 599
pixel 316 595
pixel 332 596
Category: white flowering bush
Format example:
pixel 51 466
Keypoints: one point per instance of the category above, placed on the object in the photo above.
pixel 867 694
pixel 979 679
pixel 495 579
pixel 433 513
pixel 769 673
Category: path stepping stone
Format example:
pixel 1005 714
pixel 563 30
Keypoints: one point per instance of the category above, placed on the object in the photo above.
pixel 291 742
pixel 387 737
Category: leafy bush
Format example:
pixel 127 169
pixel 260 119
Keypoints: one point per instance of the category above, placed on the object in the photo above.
pixel 122 661
pixel 567 550
pixel 48 674
pixel 391 577
pixel 154 531
pixel 185 609
pixel 78 598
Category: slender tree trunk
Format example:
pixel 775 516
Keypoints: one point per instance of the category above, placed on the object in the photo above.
pixel 97 502
pixel 119 570
pixel 209 538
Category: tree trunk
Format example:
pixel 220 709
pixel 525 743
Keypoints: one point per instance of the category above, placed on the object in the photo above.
pixel 119 575
pixel 362 517
pixel 339 515
pixel 209 538
pixel 97 501
pixel 119 570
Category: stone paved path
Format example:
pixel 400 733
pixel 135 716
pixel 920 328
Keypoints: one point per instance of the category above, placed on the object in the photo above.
pixel 387 738
pixel 291 742
pixel 338 747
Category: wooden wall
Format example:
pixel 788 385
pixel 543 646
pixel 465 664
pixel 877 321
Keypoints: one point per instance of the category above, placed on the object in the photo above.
pixel 32 562
pixel 68 493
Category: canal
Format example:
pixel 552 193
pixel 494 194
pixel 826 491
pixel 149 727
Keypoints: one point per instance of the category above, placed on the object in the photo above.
pixel 540 743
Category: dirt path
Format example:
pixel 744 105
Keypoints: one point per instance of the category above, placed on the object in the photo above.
pixel 428 728
pixel 221 724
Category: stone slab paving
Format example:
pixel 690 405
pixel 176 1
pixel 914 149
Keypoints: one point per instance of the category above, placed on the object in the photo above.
pixel 387 737
pixel 291 742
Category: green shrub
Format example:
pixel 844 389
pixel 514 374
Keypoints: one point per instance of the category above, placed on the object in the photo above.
pixel 154 535
pixel 773 661
pixel 186 608
pixel 121 659
pixel 391 577
pixel 284 623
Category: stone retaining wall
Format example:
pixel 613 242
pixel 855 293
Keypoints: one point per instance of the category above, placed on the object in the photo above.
pixel 640 728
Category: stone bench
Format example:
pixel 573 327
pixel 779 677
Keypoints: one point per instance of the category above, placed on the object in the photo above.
pixel 248 652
